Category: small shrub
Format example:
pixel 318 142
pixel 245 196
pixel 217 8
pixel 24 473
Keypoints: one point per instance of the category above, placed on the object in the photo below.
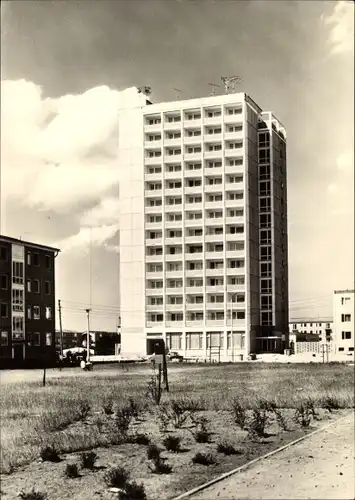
pixel 258 423
pixel 142 439
pixel 116 477
pixel 309 403
pixel 108 407
pixel 123 419
pixel 163 420
pixel 303 415
pixel 227 448
pixel 266 405
pixel 160 466
pixel 240 414
pixel 204 459
pixel 71 471
pixel 132 491
pixel 153 452
pixel 49 454
pixel 330 403
pixel 202 434
pixel 84 409
pixel 134 409
pixel 99 423
pixel 281 420
pixel 179 412
pixel 32 495
pixel 88 459
pixel 172 443
pixel 154 390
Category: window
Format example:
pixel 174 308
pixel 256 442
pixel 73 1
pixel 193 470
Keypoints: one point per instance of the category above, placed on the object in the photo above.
pixel 341 349
pixel 264 188
pixel 17 273
pixel 265 269
pixel 174 135
pixel 235 128
pixel 235 178
pixel 266 302
pixel 154 251
pixel 214 164
pixel 48 287
pixel 265 220
pixel 4 337
pixel 175 299
pixel 154 121
pixel 173 341
pixel 48 338
pixel 346 335
pixel 235 162
pixel 157 202
pixel 48 261
pixel 174 283
pixel 3 252
pixel 17 300
pixel 264 139
pixel 234 111
pixel 216 130
pixel 193 182
pixel 264 156
pixel 235 145
pixel 264 172
pixel 36 312
pixel 193 133
pixel 154 186
pixel 238 280
pixel 194 149
pixel 154 170
pixel 174 168
pixel 344 300
pixel 238 340
pixel 214 339
pixel 194 340
pixel 155 301
pixel 155 317
pixel 193 116
pixel 35 339
pixel 216 315
pixel 266 286
pixel 235 229
pixel 3 281
pixel 174 266
pixel 4 311
pixel 174 201
pixel 29 286
pixel 265 205
pixel 17 324
pixel 213 114
pixel 265 236
pixel 174 119
pixel 174 185
pixel 194 266
pixel 29 312
pixel 213 180
pixel 266 318
pixel 215 282
pixel 175 151
pixel 345 317
pixel 214 147
pixel 35 259
pixel 351 349
pixel 265 253
pixel 216 299
pixel 176 317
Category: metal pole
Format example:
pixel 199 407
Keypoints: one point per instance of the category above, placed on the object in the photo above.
pixel 88 337
pixel 60 329
pixel 232 336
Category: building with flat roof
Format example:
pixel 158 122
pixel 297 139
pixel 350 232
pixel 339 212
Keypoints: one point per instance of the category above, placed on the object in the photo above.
pixel 27 302
pixel 203 227
pixel 323 328
pixel 343 303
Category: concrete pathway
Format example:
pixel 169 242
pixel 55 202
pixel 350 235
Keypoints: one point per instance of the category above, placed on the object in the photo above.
pixel 320 467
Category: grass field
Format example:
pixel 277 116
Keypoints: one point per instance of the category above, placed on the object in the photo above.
pixel 69 415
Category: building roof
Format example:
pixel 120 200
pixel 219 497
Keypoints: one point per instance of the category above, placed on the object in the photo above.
pixel 311 320
pixel 9 239
pixel 344 291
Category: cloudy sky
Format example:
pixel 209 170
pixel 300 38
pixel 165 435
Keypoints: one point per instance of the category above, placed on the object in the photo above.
pixel 67 66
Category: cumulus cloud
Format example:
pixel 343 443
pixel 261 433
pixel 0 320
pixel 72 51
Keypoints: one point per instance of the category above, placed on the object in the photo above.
pixel 89 237
pixel 62 154
pixel 341 24
pixel 340 191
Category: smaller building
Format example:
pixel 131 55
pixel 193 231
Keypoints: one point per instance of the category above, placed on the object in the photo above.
pixel 344 321
pixel 309 328
pixel 101 342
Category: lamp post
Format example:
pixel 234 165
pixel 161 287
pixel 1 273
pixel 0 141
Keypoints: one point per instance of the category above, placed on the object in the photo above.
pixel 232 336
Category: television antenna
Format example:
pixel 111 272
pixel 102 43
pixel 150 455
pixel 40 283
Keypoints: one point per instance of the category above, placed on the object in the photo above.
pixel 230 82
pixel 178 92
pixel 214 86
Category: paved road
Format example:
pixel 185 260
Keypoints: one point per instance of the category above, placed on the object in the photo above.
pixel 320 467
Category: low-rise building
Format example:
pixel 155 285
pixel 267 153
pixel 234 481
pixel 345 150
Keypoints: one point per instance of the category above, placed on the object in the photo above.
pixel 101 342
pixel 27 302
pixel 309 327
pixel 344 321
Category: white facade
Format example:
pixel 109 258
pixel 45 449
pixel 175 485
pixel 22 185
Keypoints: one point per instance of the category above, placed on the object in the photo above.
pixel 18 298
pixel 344 321
pixel 321 327
pixel 189 227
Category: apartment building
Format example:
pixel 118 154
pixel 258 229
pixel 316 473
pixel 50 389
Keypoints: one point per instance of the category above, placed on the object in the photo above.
pixel 203 227
pixel 323 328
pixel 343 303
pixel 27 302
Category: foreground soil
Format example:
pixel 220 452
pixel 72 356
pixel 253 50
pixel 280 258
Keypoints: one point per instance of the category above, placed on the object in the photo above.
pixel 320 467
pixel 49 477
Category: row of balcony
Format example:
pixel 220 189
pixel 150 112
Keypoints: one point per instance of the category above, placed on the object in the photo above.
pixel 193 256
pixel 207 322
pixel 196 173
pixel 206 188
pixel 195 139
pixel 193 123
pixel 239 203
pixel 195 239
pixel 228 153
pixel 193 290
pixel 197 223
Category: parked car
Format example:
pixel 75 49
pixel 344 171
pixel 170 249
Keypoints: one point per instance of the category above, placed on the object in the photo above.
pixel 170 356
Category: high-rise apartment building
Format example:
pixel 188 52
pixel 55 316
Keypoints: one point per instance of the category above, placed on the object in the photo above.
pixel 203 227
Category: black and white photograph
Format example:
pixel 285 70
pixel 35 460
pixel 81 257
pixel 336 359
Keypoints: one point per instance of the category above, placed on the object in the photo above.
pixel 177 250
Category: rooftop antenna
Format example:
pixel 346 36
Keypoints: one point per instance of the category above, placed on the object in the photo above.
pixel 230 82
pixel 214 86
pixel 178 91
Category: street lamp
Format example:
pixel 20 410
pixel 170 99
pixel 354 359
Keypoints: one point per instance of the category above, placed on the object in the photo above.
pixel 232 336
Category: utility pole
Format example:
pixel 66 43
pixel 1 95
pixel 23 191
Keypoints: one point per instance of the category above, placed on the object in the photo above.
pixel 232 336
pixel 60 329
pixel 88 336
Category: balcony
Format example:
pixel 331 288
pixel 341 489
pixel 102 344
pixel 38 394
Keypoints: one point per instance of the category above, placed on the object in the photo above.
pixel 234 169
pixel 195 123
pixel 154 308
pixel 153 242
pixel 154 160
pixel 214 221
pixel 192 222
pixel 232 254
pixel 176 126
pixel 194 306
pixel 213 188
pixel 156 209
pixel 214 204
pixel 194 189
pixel 234 152
pixel 153 258
pixel 212 137
pixel 235 288
pixel 215 322
pixel 215 288
pixel 213 154
pixel 173 241
pixel 174 273
pixel 173 175
pixel 231 136
pixel 235 220
pixel 214 255
pixel 172 158
pixel 193 174
pixel 193 207
pixel 215 272
pixel 193 256
pixel 152 324
pixel 236 119
pixel 235 237
pixel 235 271
pixel 174 191
pixel 214 120
pixel 153 291
pixel 214 237
pixel 194 273
pixel 215 306
pixel 172 224
pixel 153 177
pixel 174 323
pixel 153 144
pixel 172 142
pixel 173 307
pixel 196 322
pixel 194 139
pixel 154 275
pixel 153 193
pixel 239 203
pixel 193 156
pixel 194 239
pixel 194 290
pixel 156 127
pixel 174 291
pixel 173 257
pixel 213 171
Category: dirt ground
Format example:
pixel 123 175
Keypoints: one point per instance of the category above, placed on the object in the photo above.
pixel 319 467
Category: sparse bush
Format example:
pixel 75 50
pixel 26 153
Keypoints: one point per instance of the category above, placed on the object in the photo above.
pixel 134 409
pixel 258 423
pixel 202 434
pixel 172 443
pixel 240 413
pixel 88 459
pixel 84 409
pixel 330 403
pixel 142 439
pixel 123 419
pixel 49 454
pixel 132 491
pixel 32 495
pixel 153 452
pixel 71 471
pixel 164 420
pixel 303 415
pixel 107 406
pixel 281 420
pixel 204 459
pixel 160 466
pixel 117 477
pixel 228 448
pixel 309 403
